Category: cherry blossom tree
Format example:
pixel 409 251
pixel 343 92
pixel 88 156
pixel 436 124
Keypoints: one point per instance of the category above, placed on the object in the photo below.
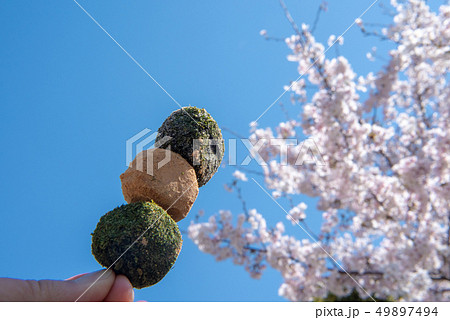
pixel 384 190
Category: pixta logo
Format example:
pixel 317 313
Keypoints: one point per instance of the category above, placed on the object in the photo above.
pixel 291 152
pixel 135 146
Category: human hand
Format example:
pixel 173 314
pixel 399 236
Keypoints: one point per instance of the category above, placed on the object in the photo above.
pixel 109 287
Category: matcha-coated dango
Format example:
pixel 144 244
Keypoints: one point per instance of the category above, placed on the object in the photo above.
pixel 195 135
pixel 144 236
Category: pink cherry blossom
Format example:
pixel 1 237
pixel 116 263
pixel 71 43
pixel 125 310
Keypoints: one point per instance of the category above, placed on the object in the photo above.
pixel 240 175
pixel 384 192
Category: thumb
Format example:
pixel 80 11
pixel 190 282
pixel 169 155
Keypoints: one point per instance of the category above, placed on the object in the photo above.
pixel 93 286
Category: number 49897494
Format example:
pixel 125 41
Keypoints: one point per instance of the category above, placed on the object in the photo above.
pixel 406 311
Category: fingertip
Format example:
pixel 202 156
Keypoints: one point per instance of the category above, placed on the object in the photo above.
pixel 94 286
pixel 121 291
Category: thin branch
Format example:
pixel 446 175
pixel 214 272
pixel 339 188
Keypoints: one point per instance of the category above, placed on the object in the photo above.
pixel 289 17
pixel 382 37
pixel 239 195
pixel 357 273
pixel 316 19
pixel 234 133
pixel 270 38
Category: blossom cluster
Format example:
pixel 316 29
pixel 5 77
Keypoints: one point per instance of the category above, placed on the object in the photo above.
pixel 385 189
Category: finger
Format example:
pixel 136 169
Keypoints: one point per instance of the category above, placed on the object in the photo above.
pixel 90 287
pixel 93 286
pixel 121 291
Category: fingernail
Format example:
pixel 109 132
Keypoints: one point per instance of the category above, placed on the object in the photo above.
pixel 106 273
pixel 75 277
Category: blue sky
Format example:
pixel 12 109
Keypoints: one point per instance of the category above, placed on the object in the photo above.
pixel 70 98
